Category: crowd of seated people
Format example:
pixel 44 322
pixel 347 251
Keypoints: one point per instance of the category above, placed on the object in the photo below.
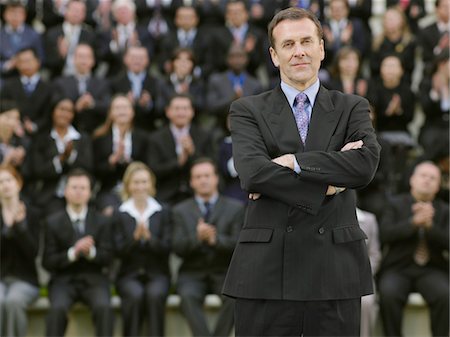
pixel 114 114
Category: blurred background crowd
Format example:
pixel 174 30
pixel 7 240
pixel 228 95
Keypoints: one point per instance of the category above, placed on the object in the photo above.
pixel 131 98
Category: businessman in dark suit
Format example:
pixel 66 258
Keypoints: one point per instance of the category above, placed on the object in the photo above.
pixel 90 93
pixel 174 147
pixel 414 233
pixel 76 253
pixel 301 264
pixel 205 233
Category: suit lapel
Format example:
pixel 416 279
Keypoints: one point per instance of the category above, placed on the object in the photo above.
pixel 324 120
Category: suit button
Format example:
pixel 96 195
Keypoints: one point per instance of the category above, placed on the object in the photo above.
pixel 289 229
pixel 321 230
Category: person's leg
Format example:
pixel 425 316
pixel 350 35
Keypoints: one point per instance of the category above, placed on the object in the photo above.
pixel 225 321
pixel 3 288
pixel 255 317
pixel 332 318
pixel 131 292
pixel 98 298
pixel 19 296
pixel 192 291
pixel 61 296
pixel 156 291
pixel 434 287
pixel 393 290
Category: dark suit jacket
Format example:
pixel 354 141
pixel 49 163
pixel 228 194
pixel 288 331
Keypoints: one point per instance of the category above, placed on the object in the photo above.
pixel 19 248
pixel 108 175
pixel 227 216
pixel 60 236
pixel 43 150
pixel 172 181
pixel 54 62
pixel 144 116
pixel 429 38
pixel 36 106
pixel 87 119
pixel 296 243
pixel 399 236
pixel 148 258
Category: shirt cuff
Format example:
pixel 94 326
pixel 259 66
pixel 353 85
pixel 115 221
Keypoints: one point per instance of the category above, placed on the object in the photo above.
pixel 297 168
pixel 92 253
pixel 71 254
pixel 231 169
pixel 57 164
pixel 73 156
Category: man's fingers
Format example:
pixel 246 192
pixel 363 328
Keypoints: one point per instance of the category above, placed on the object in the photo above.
pixel 254 196
pixel 353 145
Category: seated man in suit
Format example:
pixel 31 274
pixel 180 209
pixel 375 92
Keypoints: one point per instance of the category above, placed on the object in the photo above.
pixel 30 91
pixel 206 228
pixel 76 253
pixel 90 93
pixel 415 234
pixel 175 147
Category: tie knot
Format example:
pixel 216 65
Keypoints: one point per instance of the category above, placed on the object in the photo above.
pixel 301 98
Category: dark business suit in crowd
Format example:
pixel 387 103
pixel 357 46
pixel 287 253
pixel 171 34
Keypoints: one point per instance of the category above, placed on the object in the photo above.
pixel 143 280
pixel 204 267
pixel 298 244
pixel 83 280
pixel 399 274
pixel 172 180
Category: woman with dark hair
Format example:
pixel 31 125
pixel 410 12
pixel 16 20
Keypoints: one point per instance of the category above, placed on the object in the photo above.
pixel 55 152
pixel 346 74
pixel 116 144
pixel 19 233
pixel 183 80
pixel 142 235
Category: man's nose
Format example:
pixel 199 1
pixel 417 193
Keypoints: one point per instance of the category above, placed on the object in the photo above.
pixel 299 50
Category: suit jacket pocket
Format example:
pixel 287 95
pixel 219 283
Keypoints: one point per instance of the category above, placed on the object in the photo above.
pixel 255 235
pixel 348 234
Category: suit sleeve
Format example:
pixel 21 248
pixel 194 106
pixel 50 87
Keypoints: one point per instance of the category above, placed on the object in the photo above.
pixel 54 258
pixel 259 174
pixel 350 169
pixel 184 241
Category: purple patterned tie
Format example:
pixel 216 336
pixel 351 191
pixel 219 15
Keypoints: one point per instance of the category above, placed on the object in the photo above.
pixel 301 115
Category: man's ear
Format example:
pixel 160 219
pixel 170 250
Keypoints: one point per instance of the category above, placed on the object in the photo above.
pixel 274 57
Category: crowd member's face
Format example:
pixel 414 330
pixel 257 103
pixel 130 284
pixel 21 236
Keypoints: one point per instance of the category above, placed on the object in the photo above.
pixel 236 14
pixel 425 180
pixel 443 10
pixel 349 64
pixel 63 114
pixel 393 21
pixel 180 112
pixel 186 18
pixel 338 10
pixel 84 59
pixel 136 59
pixel 124 15
pixel 75 12
pixel 298 52
pixel 78 191
pixel 183 64
pixel 27 63
pixel 10 120
pixel 15 16
pixel 204 181
pixel 9 186
pixel 391 69
pixel 237 60
pixel 122 111
pixel 140 184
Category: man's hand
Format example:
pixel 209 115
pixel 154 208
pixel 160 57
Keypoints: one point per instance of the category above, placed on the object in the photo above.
pixel 83 246
pixel 286 160
pixel 423 213
pixel 206 232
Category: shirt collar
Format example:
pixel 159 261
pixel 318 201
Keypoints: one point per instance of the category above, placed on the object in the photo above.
pixel 19 29
pixel 77 216
pixel 139 76
pixel 180 132
pixel 33 79
pixel 291 92
pixel 212 200
pixel 72 134
pixel 152 207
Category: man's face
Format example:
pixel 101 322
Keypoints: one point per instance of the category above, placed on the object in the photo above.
pixel 236 14
pixel 391 69
pixel 298 52
pixel 425 180
pixel 124 15
pixel 15 16
pixel 27 63
pixel 186 18
pixel 78 191
pixel 338 10
pixel 75 13
pixel 84 59
pixel 180 112
pixel 136 59
pixel 204 181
